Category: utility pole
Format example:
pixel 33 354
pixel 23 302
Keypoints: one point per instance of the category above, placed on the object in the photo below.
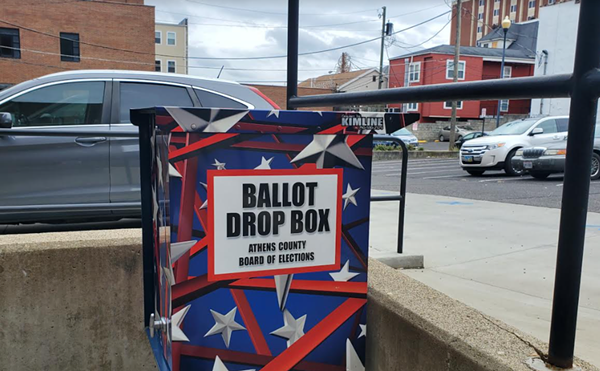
pixel 381 53
pixel 455 77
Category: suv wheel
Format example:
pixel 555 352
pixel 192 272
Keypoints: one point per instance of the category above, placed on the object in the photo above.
pixel 476 172
pixel 539 174
pixel 595 171
pixel 441 138
pixel 509 169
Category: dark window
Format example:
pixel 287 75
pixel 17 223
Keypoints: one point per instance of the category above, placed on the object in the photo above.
pixel 374 78
pixel 171 66
pixel 140 95
pixel 10 45
pixel 208 99
pixel 157 65
pixel 75 103
pixel 69 47
pixel 562 125
pixel 549 126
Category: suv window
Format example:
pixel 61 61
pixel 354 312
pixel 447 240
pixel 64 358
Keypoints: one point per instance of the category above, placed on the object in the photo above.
pixel 74 103
pixel 446 128
pixel 549 126
pixel 143 95
pixel 208 99
pixel 562 125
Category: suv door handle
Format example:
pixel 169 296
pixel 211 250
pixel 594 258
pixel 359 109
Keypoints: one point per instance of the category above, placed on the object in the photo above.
pixel 90 141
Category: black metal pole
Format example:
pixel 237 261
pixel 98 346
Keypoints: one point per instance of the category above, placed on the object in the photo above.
pixel 292 50
pixel 582 117
pixel 403 174
pixel 550 86
pixel 501 75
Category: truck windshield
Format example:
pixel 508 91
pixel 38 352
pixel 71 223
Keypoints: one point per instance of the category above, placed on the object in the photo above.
pixel 514 127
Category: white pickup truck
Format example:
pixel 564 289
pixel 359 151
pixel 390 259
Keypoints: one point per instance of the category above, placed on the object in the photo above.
pixel 495 152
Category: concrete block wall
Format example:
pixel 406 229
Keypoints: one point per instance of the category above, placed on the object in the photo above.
pixel 72 301
pixel 430 131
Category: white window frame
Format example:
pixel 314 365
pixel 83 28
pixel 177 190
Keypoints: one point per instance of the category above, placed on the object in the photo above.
pixel 502 102
pixel 412 107
pixel 481 2
pixel 509 74
pixel 459 105
pixel 169 33
pixel 159 65
pixel 159 36
pixel 174 66
pixel 496 12
pixel 479 29
pixel 513 8
pixel 480 16
pixel 530 3
pixel 464 63
pixel 416 71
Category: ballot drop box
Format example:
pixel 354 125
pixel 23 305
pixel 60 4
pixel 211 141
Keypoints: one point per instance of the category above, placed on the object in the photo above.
pixel 255 236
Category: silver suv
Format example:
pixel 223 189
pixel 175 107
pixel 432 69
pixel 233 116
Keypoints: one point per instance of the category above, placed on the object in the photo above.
pixel 56 178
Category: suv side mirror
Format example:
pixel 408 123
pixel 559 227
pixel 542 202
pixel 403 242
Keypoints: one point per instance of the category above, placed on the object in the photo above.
pixel 6 120
pixel 537 131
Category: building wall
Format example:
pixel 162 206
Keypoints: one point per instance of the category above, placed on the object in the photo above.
pixel 560 44
pixel 471 10
pixel 365 83
pixel 433 71
pixel 116 25
pixel 491 70
pixel 177 52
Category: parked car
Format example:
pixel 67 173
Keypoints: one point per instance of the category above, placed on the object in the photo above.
pixel 473 135
pixel 495 152
pixel 540 162
pixel 460 132
pixel 405 135
pixel 65 178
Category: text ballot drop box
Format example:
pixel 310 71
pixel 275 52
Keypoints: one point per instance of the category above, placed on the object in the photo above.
pixel 255 233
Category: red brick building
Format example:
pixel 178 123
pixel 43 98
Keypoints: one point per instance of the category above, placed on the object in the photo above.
pixel 435 66
pixel 480 17
pixel 41 37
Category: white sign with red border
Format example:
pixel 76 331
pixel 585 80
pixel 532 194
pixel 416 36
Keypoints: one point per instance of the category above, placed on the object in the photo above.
pixel 270 222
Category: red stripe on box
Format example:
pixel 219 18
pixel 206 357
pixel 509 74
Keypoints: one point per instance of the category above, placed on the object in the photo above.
pixel 256 335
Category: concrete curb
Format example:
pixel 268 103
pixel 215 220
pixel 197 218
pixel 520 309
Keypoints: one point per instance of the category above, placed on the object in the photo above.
pixel 396 261
pixel 397 155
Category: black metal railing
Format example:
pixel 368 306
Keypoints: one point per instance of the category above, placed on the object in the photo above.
pixel 583 87
pixel 402 195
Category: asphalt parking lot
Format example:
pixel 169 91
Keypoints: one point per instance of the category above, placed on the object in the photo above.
pixel 444 177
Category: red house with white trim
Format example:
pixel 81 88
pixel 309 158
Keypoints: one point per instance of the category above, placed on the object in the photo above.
pixel 435 66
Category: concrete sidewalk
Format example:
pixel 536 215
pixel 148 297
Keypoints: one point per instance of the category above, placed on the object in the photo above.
pixel 498 258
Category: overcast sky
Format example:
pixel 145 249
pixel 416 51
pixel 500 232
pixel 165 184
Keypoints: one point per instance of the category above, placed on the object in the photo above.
pixel 257 28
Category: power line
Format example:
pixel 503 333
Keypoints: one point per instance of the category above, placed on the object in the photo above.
pixel 429 39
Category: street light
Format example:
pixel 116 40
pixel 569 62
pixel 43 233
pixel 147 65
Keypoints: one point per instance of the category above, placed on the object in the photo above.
pixel 505 26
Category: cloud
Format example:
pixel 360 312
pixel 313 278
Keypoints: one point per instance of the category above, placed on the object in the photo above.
pixel 229 28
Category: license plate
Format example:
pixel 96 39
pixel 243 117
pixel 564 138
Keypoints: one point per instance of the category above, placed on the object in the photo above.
pixel 467 158
pixel 527 164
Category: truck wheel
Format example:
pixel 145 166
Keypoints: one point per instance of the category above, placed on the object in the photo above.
pixel 509 169
pixel 595 173
pixel 476 172
pixel 539 174
pixel 441 138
